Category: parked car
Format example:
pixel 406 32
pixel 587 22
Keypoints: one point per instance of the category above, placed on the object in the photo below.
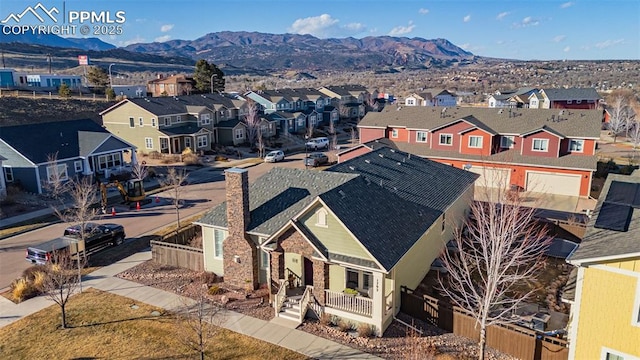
pixel 316 159
pixel 318 143
pixel 274 156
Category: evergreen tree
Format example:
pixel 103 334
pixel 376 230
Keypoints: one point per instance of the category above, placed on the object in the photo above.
pixel 203 74
pixel 97 76
pixel 64 91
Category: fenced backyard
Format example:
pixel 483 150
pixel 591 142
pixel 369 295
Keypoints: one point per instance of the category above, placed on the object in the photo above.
pixel 176 250
pixel 517 341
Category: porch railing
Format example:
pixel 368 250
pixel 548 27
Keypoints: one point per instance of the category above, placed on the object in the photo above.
pixel 293 278
pixel 304 302
pixel 355 304
pixel 388 303
pixel 281 295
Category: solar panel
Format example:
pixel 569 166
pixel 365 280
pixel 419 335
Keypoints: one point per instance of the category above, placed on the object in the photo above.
pixel 623 193
pixel 614 217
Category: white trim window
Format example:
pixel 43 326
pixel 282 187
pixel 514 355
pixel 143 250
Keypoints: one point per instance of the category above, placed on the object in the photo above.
pixel 141 121
pixel 57 172
pixel 410 102
pixel 321 218
pixel 507 141
pixel 421 136
pixel 187 142
pixel 394 133
pixel 610 354
pixel 132 122
pixel 178 118
pixel 475 142
pixel 446 139
pixel 109 161
pixel 239 134
pixel 218 238
pixel 153 122
pixel 148 143
pixel 576 145
pixel 203 141
pixel 540 145
pixel 164 143
pixel 167 121
pixel 8 174
pixel 264 259
pixel 77 165
pixel 205 119
pixel 358 279
pixel 635 316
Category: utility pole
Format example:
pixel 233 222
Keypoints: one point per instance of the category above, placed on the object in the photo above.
pixel 3 65
pixel 49 59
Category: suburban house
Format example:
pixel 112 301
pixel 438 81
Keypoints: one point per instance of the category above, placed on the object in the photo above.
pixel 543 150
pixel 606 309
pixel 174 85
pixel 80 147
pixel 511 98
pixel 371 224
pixel 292 100
pixel 130 91
pixel 571 98
pixel 432 97
pixel 3 185
pixel 349 99
pixel 232 132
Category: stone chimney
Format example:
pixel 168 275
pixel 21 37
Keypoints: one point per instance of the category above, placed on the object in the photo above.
pixel 240 252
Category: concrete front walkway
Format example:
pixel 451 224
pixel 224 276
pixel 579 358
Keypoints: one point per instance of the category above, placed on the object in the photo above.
pixel 104 279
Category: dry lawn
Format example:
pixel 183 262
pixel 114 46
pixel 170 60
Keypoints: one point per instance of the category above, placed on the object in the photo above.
pixel 104 326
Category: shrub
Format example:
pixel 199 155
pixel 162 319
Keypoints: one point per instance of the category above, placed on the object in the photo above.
pixel 30 273
pixel 325 319
pixel 170 159
pixel 215 290
pixel 22 289
pixel 38 281
pixel 344 326
pixel 350 291
pixel 155 155
pixel 151 172
pixel 208 277
pixel 191 159
pixel 365 330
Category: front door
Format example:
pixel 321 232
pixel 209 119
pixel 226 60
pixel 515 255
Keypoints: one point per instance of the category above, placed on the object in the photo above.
pixel 176 146
pixel 308 272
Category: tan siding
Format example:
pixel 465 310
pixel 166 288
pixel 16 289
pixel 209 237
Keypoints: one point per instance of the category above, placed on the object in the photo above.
pixel 337 281
pixel 117 122
pixel 211 264
pixel 293 262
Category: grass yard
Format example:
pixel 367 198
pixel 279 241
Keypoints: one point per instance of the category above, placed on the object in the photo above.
pixel 104 326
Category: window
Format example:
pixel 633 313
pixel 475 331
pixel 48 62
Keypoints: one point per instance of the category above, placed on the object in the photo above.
pixel 148 143
pixel 57 172
pixel 109 161
pixel 132 122
pixel 153 122
pixel 576 145
pixel 8 174
pixel 394 133
pixel 475 141
pixel 264 259
pixel 421 136
pixel 141 121
pixel 239 133
pixel 218 238
pixel 411 101
pixel 635 317
pixel 578 101
pixel 610 356
pixel 167 121
pixel 446 139
pixel 203 141
pixel 164 143
pixel 178 118
pixel 540 144
pixel 444 215
pixel 77 165
pixel 359 280
pixel 187 142
pixel 321 218
pixel 507 142
pixel 205 119
pixel 569 101
pixel 264 130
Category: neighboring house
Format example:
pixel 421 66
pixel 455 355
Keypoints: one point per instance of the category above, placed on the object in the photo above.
pixel 606 310
pixel 571 98
pixel 432 97
pixel 349 99
pixel 232 132
pixel 296 99
pixel 539 150
pixel 174 85
pixel 130 91
pixel 509 98
pixel 6 78
pixel 81 147
pixel 372 224
pixel 3 185
pixel 50 81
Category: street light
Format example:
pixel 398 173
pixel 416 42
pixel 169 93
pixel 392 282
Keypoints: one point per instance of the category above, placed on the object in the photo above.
pixel 110 78
pixel 212 76
pixel 306 138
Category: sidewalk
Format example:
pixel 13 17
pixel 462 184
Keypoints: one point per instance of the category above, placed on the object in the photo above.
pixel 104 279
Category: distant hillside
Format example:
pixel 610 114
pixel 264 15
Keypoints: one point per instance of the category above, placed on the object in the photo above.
pixel 305 52
pixel 58 41
pixel 17 111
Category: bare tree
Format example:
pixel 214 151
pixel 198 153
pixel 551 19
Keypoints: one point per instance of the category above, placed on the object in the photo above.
pixel 139 170
pixel 260 142
pixel 56 185
pixel 175 181
pixel 252 120
pixel 618 116
pixel 499 247
pixel 634 134
pixel 354 136
pixel 60 282
pixel 196 324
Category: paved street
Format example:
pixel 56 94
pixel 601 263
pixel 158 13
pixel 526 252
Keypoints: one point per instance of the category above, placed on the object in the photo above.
pixel 206 189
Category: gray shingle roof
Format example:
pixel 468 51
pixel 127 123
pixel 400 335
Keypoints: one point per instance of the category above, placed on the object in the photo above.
pixel 169 105
pixel 574 123
pixel 181 130
pixel 598 243
pixel 572 94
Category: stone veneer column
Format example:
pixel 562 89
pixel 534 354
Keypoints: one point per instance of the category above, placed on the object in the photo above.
pixel 240 259
pixel 320 279
pixel 277 268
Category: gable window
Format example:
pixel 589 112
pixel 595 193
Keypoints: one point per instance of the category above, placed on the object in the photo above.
pixel 475 141
pixel 421 136
pixel 411 101
pixel 167 121
pixel 57 172
pixel 178 118
pixel 239 133
pixel 218 238
pixel 394 133
pixel 203 141
pixel 540 144
pixel 148 143
pixel 153 122
pixel 77 165
pixel 576 145
pixel 205 119
pixel 141 121
pixel 507 142
pixel 321 218
pixel 132 122
pixel 8 174
pixel 446 139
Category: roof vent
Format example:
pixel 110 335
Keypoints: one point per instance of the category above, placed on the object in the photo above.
pixel 352 168
pixel 381 155
pixel 342 193
pixel 500 111
pixel 392 150
pixel 399 163
pixel 367 161
pixel 367 180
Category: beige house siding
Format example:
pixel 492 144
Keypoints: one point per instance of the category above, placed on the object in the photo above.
pixel 117 122
pixel 211 263
pixel 293 262
pixel 337 278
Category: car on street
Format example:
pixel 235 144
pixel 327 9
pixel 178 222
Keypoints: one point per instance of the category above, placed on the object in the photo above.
pixel 318 143
pixel 316 159
pixel 274 156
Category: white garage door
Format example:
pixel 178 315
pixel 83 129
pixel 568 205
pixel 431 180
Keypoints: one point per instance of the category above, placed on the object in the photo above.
pixel 491 177
pixel 553 183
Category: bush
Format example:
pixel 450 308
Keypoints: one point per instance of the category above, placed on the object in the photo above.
pixel 30 273
pixel 350 291
pixel 365 330
pixel 208 277
pixel 22 289
pixel 215 290
pixel 155 155
pixel 344 326
pixel 170 159
pixel 325 319
pixel 191 159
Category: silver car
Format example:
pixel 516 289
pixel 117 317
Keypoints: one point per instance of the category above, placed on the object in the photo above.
pixel 274 156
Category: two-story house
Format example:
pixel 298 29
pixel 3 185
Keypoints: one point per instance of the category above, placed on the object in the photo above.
pixel 511 98
pixel 541 150
pixel 432 97
pixel 571 98
pixel 371 224
pixel 349 98
pixel 174 85
pixel 291 100
pixel 605 315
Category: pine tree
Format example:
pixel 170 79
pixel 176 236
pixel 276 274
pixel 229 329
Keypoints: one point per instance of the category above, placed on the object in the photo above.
pixel 203 74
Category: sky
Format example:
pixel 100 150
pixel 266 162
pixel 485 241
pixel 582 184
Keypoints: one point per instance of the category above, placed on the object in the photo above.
pixel 516 29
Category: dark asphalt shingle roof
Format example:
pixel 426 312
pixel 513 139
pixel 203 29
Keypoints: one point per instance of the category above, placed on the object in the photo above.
pixel 169 105
pixel 187 129
pixel 229 124
pixel 572 94
pixel 598 243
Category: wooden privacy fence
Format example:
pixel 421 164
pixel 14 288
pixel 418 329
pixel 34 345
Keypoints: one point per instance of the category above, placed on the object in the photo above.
pixel 170 251
pixel 514 340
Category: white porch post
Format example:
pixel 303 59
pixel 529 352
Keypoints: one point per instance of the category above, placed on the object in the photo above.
pixel 86 167
pixel 3 185
pixel 134 158
pixel 377 312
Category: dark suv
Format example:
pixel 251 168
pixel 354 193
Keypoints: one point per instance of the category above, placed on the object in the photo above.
pixel 316 159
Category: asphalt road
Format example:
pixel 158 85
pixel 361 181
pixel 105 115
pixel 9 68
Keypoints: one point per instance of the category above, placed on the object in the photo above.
pixel 205 190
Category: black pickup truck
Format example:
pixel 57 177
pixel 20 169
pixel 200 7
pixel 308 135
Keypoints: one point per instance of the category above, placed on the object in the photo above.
pixel 96 235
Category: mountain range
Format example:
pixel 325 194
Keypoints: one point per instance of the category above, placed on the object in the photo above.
pixel 277 52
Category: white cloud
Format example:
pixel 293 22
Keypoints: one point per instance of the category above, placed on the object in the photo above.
pixel 423 11
pixel 567 4
pixel 502 15
pixel 559 38
pixel 135 40
pixel 355 27
pixel 402 30
pixel 466 18
pixel 166 27
pixel 566 49
pixel 162 38
pixel 526 22
pixel 465 46
pixel 320 26
pixel 608 43
pixel 500 42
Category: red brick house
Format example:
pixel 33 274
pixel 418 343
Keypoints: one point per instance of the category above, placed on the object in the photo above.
pixel 540 150
pixel 174 85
